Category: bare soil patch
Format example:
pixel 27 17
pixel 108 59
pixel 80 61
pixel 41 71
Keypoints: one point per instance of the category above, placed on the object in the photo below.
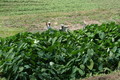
pixel 35 27
pixel 74 26
pixel 112 76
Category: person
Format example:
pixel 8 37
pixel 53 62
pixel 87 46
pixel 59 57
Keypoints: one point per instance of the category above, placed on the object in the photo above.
pixel 63 28
pixel 48 25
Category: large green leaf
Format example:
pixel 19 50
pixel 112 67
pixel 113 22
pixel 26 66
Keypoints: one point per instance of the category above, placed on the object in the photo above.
pixel 101 35
pixel 90 65
pixel 54 40
pixel 55 55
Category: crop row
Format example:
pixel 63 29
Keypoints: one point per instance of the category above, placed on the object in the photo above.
pixel 55 55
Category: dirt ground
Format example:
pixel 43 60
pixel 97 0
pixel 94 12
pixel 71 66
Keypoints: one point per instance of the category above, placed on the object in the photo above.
pixel 79 26
pixel 112 76
pixel 70 26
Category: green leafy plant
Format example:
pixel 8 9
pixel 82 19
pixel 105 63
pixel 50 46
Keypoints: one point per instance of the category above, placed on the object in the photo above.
pixel 54 55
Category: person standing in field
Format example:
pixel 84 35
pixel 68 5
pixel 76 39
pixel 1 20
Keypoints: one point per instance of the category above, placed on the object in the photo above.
pixel 48 25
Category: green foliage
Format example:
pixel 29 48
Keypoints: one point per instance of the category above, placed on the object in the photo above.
pixel 55 55
pixel 9 31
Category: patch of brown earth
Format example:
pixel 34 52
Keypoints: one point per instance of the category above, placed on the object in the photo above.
pixel 55 25
pixel 112 76
pixel 35 28
pixel 89 22
pixel 75 26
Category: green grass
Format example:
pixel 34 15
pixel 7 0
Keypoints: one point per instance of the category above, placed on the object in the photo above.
pixel 33 14
pixel 13 7
pixel 7 31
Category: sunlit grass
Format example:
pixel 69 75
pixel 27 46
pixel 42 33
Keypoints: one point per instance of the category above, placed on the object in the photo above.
pixel 8 31
pixel 15 7
pixel 26 13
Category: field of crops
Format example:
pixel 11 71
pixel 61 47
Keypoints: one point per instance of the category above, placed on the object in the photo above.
pixel 55 55
pixel 31 14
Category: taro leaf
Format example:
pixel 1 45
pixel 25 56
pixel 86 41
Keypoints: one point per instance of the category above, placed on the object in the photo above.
pixel 90 52
pixel 32 77
pixel 40 53
pixel 81 72
pixel 43 70
pixel 82 67
pixel 113 39
pixel 64 69
pixel 20 62
pixel 111 54
pixel 119 65
pixel 9 52
pixel 27 66
pixel 15 68
pixel 54 39
pixel 75 52
pixel 119 50
pixel 70 62
pixel 63 50
pixel 100 67
pixel 91 64
pixel 40 76
pixel 114 49
pixel 21 69
pixel 21 46
pixel 106 70
pixel 52 71
pixel 72 76
pixel 76 69
pixel 11 55
pixel 90 34
pixel 108 49
pixel 101 35
pixel 49 40
pixel 85 60
pixel 60 39
pixel 1 53
pixel 16 77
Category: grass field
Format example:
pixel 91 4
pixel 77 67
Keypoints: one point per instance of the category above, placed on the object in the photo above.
pixel 31 15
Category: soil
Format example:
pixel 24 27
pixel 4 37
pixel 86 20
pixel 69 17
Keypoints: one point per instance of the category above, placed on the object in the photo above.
pixel 74 26
pixel 112 76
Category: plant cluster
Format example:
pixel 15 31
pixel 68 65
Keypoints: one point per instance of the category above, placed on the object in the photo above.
pixel 55 55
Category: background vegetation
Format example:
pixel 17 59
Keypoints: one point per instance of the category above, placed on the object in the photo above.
pixel 31 15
